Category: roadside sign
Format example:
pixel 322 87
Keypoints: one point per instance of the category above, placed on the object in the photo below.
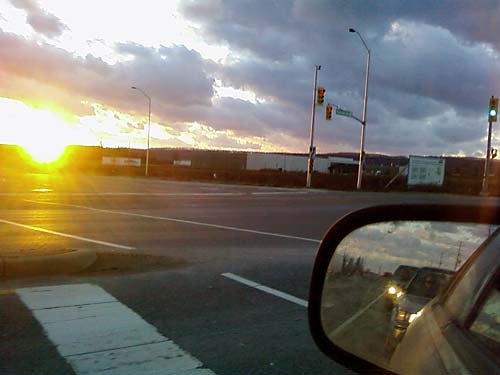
pixel 426 170
pixel 342 112
pixel 123 162
pixel 312 152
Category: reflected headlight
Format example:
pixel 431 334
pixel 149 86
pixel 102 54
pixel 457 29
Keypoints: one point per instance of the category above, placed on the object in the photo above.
pixel 401 315
pixel 399 294
pixel 392 290
pixel 414 316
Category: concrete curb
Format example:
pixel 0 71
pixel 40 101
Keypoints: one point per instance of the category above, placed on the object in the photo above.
pixel 70 262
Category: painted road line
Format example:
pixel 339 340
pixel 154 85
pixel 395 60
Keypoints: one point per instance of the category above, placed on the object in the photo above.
pixel 182 221
pixel 105 194
pixel 97 334
pixel 341 327
pixel 49 192
pixel 38 229
pixel 298 301
pixel 266 289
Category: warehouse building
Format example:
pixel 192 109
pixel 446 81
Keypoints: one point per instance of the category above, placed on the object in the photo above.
pixel 284 162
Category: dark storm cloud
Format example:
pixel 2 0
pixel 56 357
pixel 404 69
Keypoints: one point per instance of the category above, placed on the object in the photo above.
pixel 431 69
pixel 259 27
pixel 41 21
pixel 470 21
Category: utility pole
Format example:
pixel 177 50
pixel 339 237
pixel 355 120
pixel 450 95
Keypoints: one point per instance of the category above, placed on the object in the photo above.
pixel 486 173
pixel 312 149
pixel 458 260
pixel 149 126
pixel 492 117
pixel 440 259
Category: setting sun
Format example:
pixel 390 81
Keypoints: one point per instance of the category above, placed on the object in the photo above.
pixel 42 133
pixel 42 153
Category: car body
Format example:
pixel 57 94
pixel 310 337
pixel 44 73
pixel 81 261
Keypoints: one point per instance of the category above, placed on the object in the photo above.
pixel 399 279
pixel 458 331
pixel 411 299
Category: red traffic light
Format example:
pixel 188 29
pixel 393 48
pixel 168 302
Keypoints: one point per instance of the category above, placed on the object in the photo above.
pixel 321 95
pixel 329 110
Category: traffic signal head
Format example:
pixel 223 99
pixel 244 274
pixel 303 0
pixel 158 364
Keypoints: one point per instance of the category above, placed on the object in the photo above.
pixel 329 110
pixel 493 111
pixel 321 95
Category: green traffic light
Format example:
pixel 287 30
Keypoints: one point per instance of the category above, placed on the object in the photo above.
pixel 493 112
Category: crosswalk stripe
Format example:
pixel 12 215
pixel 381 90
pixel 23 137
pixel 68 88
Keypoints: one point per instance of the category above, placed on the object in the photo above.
pixel 97 334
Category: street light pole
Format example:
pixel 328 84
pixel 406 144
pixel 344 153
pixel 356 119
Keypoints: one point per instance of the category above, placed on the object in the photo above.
pixel 363 119
pixel 149 126
pixel 310 161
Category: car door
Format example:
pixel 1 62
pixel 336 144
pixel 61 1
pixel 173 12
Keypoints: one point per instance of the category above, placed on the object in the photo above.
pixel 458 333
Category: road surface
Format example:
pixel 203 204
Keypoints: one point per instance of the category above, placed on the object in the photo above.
pixel 236 307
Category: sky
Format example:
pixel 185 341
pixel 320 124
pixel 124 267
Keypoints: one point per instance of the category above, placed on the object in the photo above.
pixel 420 244
pixel 239 74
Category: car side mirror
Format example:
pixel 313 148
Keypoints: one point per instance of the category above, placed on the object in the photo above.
pixel 356 316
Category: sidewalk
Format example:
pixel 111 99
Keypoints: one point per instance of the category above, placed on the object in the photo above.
pixel 44 262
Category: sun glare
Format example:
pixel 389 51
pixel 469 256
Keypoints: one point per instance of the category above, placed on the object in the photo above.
pixel 43 153
pixel 42 133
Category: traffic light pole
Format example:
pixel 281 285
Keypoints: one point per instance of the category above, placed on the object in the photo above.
pixel 363 121
pixel 486 174
pixel 310 162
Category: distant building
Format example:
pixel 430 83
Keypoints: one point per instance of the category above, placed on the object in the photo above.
pixel 284 162
pixel 339 165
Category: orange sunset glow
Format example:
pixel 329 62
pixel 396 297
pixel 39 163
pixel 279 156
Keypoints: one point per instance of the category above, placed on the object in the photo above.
pixel 219 82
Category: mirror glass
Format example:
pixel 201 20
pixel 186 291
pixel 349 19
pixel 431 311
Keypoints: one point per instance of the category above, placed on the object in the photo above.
pixel 382 275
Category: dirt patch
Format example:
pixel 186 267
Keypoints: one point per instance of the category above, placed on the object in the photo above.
pixel 118 263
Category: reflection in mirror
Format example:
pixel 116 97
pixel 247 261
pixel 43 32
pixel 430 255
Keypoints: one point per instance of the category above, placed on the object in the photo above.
pixel 381 277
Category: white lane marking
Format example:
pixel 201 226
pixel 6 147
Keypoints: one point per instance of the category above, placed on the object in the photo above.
pixel 182 221
pixel 124 194
pixel 38 229
pixel 265 289
pixel 341 327
pixel 47 192
pixel 296 300
pixel 97 334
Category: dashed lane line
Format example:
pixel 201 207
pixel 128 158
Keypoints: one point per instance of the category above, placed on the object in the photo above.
pixel 265 289
pixel 298 301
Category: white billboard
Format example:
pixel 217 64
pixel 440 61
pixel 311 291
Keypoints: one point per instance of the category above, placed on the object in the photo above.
pixel 426 170
pixel 123 162
pixel 182 163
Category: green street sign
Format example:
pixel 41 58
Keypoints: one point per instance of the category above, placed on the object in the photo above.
pixel 342 112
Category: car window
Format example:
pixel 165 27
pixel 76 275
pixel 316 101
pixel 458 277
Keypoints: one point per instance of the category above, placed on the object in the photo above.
pixel 486 325
pixel 404 273
pixel 428 284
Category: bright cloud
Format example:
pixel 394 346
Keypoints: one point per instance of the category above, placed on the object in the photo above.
pixel 238 74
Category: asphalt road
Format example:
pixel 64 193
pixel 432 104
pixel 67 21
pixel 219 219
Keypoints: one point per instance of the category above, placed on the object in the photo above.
pixel 265 235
